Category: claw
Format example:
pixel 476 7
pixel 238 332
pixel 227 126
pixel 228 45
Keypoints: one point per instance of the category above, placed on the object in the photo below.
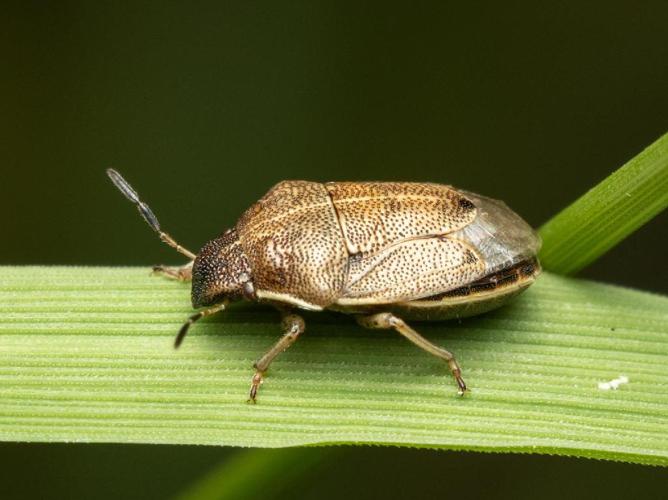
pixel 255 385
pixel 462 385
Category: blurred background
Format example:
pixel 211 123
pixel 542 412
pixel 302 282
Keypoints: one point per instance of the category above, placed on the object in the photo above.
pixel 203 107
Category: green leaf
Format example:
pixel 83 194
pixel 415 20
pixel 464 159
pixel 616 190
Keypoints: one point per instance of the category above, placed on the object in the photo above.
pixel 86 355
pixel 608 213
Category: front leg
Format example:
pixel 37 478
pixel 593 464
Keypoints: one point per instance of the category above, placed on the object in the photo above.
pixel 389 320
pixel 182 273
pixel 293 326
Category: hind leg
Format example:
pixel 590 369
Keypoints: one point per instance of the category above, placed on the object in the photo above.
pixel 389 320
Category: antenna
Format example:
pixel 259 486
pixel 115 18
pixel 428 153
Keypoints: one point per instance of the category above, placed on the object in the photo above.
pixel 148 215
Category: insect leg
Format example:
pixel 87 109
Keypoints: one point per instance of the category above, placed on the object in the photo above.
pixel 182 273
pixel 195 317
pixel 145 211
pixel 389 320
pixel 293 325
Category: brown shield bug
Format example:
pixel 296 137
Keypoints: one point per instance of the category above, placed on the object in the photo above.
pixel 382 251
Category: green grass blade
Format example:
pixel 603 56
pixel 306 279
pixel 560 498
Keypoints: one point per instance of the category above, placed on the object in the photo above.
pixel 607 213
pixel 86 355
pixel 256 473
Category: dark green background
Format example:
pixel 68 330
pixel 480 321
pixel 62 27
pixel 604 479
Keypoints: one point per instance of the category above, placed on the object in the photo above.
pixel 203 106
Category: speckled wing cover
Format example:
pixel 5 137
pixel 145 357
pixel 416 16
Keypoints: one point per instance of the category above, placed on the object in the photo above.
pixel 351 243
pixel 397 238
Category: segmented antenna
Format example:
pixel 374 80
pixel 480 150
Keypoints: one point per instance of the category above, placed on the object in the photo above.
pixel 145 211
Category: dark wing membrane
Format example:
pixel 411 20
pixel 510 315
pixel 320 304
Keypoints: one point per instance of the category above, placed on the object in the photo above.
pixel 500 236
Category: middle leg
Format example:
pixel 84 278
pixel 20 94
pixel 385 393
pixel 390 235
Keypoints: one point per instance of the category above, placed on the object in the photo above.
pixel 293 326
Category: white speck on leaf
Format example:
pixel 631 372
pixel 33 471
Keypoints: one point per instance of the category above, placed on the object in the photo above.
pixel 614 383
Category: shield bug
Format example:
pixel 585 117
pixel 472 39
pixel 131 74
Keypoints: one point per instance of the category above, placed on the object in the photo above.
pixel 382 251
